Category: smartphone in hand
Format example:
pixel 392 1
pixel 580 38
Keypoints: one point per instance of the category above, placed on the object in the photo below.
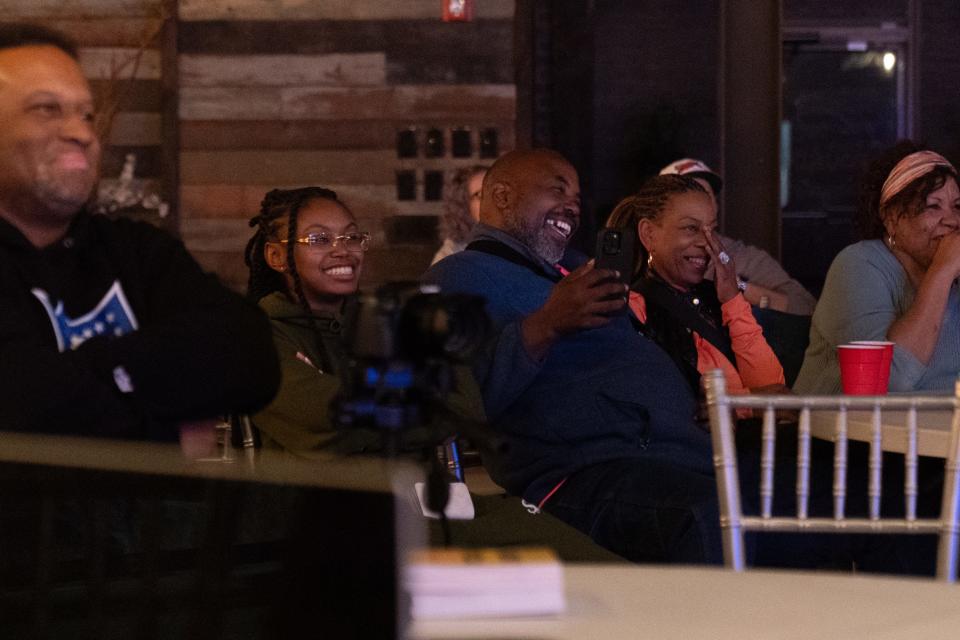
pixel 617 249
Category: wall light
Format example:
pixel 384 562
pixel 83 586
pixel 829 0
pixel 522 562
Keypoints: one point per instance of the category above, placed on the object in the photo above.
pixel 889 61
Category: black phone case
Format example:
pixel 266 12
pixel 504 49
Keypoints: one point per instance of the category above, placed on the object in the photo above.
pixel 616 249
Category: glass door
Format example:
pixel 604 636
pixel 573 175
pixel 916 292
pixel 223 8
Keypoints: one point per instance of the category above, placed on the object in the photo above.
pixel 843 101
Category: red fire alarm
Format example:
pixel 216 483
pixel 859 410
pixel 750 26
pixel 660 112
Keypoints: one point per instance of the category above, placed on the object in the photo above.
pixel 457 10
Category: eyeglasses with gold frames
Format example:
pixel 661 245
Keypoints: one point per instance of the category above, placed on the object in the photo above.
pixel 353 241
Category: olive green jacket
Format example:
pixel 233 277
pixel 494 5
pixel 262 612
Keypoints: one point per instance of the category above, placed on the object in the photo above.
pixel 312 357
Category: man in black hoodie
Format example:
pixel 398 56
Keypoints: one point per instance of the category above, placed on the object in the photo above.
pixel 107 327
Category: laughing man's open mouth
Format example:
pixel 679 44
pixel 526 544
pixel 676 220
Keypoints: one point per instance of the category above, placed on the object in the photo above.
pixel 562 227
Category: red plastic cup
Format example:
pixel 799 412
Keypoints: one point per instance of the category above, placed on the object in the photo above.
pixel 883 382
pixel 860 367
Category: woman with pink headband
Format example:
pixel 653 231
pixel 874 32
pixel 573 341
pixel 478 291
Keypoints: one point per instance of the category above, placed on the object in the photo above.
pixel 900 282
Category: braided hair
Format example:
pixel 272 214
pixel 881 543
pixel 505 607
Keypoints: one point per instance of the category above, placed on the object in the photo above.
pixel 264 280
pixel 649 202
pixel 277 205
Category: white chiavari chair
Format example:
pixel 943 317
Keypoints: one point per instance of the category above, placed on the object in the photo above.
pixel 734 523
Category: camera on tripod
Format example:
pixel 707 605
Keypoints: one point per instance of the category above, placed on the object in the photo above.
pixel 403 343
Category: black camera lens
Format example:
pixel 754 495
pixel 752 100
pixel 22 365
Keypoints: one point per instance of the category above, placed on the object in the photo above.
pixel 435 325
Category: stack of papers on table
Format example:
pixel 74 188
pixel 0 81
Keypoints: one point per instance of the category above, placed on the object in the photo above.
pixel 460 583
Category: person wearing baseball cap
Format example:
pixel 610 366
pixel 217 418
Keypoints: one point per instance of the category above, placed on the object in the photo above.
pixel 768 285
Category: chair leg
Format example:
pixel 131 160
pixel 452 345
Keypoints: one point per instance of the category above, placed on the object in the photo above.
pixel 733 547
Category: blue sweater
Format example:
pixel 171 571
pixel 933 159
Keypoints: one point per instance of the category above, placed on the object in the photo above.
pixel 599 395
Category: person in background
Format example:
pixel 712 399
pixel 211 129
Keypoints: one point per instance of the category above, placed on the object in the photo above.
pixel 461 207
pixel 703 325
pixel 767 284
pixel 305 260
pixel 109 327
pixel 900 282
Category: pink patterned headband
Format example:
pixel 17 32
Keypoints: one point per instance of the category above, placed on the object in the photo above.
pixel 916 165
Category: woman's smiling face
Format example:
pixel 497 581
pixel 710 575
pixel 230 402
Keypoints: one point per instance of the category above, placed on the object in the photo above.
pixel 675 238
pixel 918 236
pixel 329 271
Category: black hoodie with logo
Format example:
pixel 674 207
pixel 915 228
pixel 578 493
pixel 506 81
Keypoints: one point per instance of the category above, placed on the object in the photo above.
pixel 116 331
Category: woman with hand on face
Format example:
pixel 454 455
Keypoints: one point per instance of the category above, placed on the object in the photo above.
pixel 703 325
pixel 305 260
pixel 899 283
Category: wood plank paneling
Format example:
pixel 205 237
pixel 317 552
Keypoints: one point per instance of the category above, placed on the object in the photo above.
pixel 28 9
pixel 417 51
pixel 238 103
pixel 131 95
pixel 400 262
pixel 287 167
pixel 313 134
pixel 133 128
pixel 330 9
pixel 417 102
pixel 283 70
pixel 290 134
pixel 169 112
pixel 104 63
pixel 109 31
pixel 368 201
pixel 227 265
pixel 413 102
pixel 287 93
pixel 215 234
pixel 395 37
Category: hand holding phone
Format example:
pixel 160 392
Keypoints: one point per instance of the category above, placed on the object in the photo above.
pixel 616 250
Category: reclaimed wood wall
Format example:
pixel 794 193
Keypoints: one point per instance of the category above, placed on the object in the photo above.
pixel 120 53
pixel 276 93
pixel 285 93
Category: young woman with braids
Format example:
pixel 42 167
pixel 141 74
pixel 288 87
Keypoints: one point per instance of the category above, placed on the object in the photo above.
pixel 900 282
pixel 703 325
pixel 305 260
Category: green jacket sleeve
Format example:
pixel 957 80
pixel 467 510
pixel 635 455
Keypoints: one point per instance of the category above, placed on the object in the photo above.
pixel 299 418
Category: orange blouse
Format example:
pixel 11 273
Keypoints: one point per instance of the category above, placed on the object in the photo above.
pixel 757 366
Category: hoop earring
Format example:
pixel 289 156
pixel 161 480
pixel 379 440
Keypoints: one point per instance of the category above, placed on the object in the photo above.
pixel 650 261
pixel 891 241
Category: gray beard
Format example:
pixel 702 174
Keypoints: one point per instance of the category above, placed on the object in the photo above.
pixel 536 240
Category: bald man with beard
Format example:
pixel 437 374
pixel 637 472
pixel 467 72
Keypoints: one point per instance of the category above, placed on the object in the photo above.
pixel 598 422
